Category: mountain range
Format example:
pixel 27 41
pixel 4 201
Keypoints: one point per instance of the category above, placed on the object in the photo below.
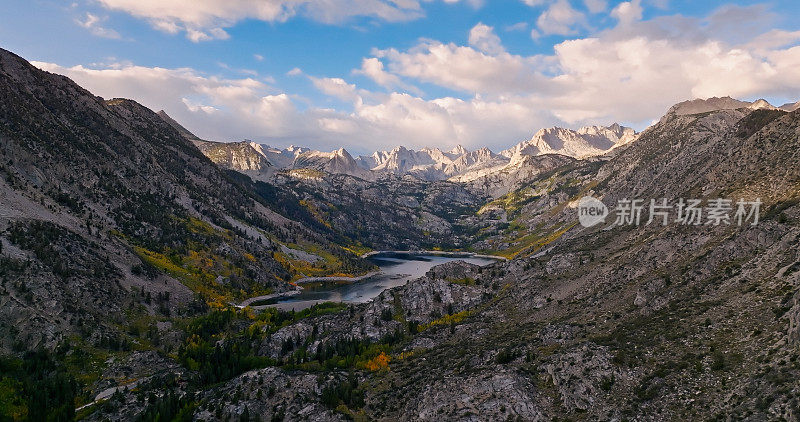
pixel 457 164
pixel 430 164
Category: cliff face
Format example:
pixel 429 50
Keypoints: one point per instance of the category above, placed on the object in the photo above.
pixel 239 156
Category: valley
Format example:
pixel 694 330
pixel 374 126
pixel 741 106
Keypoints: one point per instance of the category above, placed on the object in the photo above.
pixel 126 243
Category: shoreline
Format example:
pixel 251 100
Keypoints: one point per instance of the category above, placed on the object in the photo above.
pixel 245 303
pixel 453 254
pixel 335 278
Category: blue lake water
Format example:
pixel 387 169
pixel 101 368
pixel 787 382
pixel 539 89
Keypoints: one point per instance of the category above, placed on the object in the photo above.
pixel 396 270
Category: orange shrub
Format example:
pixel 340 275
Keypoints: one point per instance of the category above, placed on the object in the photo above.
pixel 379 362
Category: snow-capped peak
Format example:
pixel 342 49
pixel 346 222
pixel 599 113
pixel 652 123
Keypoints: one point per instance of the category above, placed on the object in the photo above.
pixel 585 142
pixel 761 104
pixel 458 150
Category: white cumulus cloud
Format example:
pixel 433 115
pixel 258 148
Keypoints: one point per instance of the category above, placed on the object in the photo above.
pixel 204 20
pixel 560 19
pixel 373 68
pixel 629 11
pixel 464 68
pixel 596 6
pixel 483 38
pixel 93 23
pixel 629 74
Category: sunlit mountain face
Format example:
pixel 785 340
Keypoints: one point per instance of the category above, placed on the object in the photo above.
pixel 418 210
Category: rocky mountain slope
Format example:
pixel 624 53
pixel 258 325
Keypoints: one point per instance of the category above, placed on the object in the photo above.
pixel 281 158
pixel 336 162
pixel 698 106
pixel 389 214
pixel 109 216
pixel 642 323
pixel 790 106
pixel 241 156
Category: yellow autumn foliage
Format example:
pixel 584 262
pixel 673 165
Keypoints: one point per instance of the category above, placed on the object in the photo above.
pixel 379 363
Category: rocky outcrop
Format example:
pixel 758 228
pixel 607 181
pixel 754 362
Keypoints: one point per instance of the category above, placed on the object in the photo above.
pixel 496 395
pixel 581 375
pixel 239 156
pixel 270 394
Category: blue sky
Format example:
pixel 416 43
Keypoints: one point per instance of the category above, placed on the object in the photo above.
pixel 369 74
